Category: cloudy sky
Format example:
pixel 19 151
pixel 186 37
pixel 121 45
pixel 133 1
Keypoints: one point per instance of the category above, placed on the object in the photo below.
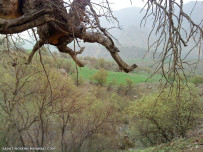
pixel 119 4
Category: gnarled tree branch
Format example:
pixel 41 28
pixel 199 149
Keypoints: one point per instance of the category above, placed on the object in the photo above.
pixel 58 27
pixel 25 22
pixel 103 40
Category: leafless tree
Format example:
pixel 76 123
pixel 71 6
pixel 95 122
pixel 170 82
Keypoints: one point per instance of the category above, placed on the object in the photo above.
pixel 168 18
pixel 14 110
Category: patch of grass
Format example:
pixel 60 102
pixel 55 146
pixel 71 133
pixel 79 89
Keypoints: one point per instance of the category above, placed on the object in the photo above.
pixel 120 77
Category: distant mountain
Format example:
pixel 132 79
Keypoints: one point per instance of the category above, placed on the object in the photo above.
pixel 197 10
pixel 133 38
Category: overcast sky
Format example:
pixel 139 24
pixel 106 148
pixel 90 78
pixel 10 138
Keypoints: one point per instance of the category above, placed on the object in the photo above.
pixel 119 4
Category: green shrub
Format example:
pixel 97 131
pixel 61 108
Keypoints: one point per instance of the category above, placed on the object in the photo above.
pixel 111 84
pixel 100 77
pixel 197 79
pixel 129 83
pixel 161 117
pixel 78 80
pixel 101 64
pixel 121 91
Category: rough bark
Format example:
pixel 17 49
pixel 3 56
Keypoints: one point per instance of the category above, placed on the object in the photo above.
pixel 56 26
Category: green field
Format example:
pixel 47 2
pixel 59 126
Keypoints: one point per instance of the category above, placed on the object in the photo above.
pixel 120 77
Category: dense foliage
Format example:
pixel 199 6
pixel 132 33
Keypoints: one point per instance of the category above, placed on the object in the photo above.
pixel 161 117
pixel 34 113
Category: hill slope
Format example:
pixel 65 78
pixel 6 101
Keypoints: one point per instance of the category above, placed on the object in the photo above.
pixel 133 38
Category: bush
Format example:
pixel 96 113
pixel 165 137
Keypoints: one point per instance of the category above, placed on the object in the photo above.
pixel 126 90
pixel 100 77
pixel 60 63
pixel 69 67
pixel 122 89
pixel 111 84
pixel 101 64
pixel 197 79
pixel 80 80
pixel 159 118
pixel 129 83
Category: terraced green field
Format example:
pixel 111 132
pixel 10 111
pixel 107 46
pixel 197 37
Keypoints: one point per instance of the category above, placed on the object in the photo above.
pixel 120 77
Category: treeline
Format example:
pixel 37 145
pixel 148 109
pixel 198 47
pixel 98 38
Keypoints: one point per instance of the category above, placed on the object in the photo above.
pixel 92 62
